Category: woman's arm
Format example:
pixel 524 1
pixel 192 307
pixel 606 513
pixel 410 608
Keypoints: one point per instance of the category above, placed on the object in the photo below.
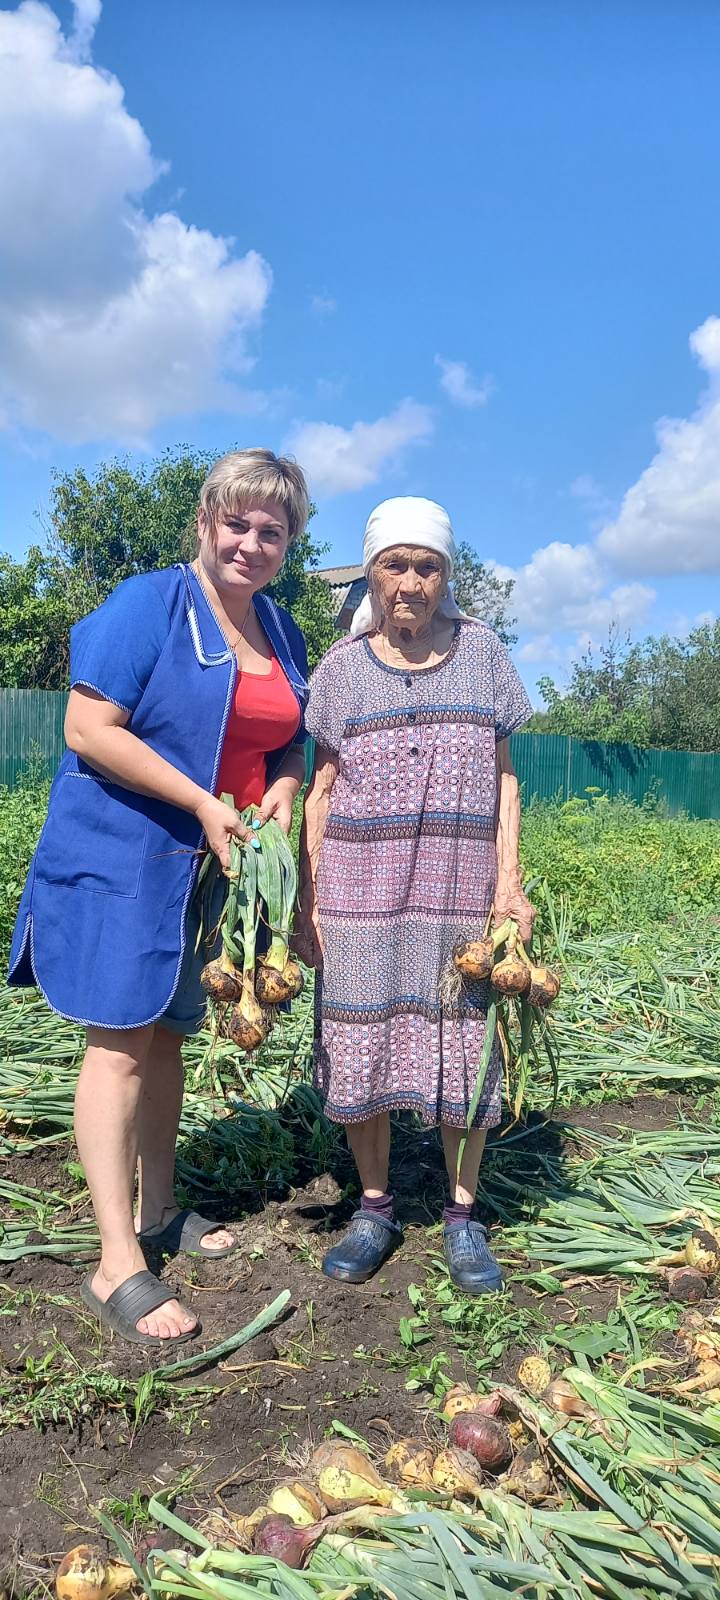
pixel 97 731
pixel 278 799
pixel 509 898
pixel 308 939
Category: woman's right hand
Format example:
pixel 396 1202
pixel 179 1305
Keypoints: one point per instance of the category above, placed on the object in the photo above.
pixel 221 823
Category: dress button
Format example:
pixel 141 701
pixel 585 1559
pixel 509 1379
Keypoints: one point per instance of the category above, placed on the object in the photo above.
pixel 414 750
pixel 408 682
pixel 412 715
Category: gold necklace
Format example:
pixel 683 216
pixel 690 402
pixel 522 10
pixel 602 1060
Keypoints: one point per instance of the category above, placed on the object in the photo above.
pixel 231 644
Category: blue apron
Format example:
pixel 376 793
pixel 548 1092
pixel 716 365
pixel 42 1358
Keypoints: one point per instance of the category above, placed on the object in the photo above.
pixel 101 924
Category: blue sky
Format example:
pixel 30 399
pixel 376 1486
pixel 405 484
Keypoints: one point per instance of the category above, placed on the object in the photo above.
pixel 466 250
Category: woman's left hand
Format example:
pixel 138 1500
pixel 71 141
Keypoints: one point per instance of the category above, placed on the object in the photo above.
pixel 277 802
pixel 511 902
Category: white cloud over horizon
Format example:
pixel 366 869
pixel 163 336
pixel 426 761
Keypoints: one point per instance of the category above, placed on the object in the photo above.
pixel 458 384
pixel 669 520
pixel 112 319
pixel 340 460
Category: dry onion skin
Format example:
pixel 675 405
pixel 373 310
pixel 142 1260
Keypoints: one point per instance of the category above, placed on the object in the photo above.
pixel 278 1537
pixel 487 1440
pixel 296 1501
pixel 475 958
pixel 455 1471
pixel 410 1462
pixel 527 1478
pixel 534 1375
pixel 561 1396
pixel 345 1478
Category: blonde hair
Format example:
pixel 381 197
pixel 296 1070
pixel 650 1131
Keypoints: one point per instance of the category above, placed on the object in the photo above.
pixel 259 475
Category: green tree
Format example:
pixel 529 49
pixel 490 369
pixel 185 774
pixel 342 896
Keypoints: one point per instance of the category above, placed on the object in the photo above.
pixel 481 593
pixel 663 692
pixel 107 526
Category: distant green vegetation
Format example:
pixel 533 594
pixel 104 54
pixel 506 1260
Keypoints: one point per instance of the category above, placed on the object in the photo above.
pixel 621 866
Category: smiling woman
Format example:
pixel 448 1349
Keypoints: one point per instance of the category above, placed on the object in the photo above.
pixel 186 683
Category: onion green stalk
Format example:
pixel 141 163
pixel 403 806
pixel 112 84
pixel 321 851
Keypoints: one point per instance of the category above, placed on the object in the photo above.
pixel 247 1026
pixel 278 977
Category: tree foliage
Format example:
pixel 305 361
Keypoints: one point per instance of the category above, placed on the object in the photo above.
pixel 663 692
pixel 110 525
pixel 481 593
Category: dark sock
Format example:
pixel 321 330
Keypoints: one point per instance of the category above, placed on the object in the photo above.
pixel 379 1205
pixel 455 1212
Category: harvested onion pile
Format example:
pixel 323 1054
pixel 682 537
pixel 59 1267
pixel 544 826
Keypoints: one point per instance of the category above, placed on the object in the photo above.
pixel 244 988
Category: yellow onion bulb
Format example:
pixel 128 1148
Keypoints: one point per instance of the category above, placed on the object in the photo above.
pixel 534 1375
pixel 702 1253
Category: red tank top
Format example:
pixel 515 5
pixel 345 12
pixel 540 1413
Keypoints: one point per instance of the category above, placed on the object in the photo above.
pixel 264 716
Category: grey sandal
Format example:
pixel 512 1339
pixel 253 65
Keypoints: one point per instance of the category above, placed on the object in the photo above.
pixel 133 1299
pixel 185 1233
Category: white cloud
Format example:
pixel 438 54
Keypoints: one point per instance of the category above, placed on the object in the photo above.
pixel 565 587
pixel 460 386
pixel 339 460
pixel 111 319
pixel 85 21
pixel 669 520
pixel 323 305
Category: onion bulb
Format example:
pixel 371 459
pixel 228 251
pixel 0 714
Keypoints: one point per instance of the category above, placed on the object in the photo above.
pixel 345 1478
pixel 278 1537
pixel 247 1026
pixel 487 1439
pixel 544 987
pixel 475 958
pixel 534 1375
pixel 702 1252
pixel 296 1501
pixel 85 1575
pixel 511 975
pixel 685 1283
pixel 410 1462
pixel 221 980
pixel 462 1399
pixel 456 1472
pixel 527 1478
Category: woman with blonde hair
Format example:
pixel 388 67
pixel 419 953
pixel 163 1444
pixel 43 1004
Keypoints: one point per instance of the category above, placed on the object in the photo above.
pixel 187 683
pixel 411 836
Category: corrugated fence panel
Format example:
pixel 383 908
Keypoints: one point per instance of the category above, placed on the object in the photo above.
pixel 547 764
pixel 553 764
pixel 31 728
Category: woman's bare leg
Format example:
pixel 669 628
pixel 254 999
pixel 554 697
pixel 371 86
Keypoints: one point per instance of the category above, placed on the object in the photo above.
pixel 107 1115
pixel 370 1145
pixel 463 1188
pixel 159 1117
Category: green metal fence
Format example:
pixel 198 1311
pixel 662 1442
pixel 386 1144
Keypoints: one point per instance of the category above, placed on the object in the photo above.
pixel 547 764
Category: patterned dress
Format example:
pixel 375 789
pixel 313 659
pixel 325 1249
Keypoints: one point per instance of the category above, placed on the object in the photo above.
pixel 408 866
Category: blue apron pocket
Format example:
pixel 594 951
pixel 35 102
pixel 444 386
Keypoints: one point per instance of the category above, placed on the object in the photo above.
pixel 94 837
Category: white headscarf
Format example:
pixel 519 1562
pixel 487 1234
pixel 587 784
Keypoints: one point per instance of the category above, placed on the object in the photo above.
pixel 409 520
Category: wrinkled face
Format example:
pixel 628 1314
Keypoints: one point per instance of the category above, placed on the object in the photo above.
pixel 409 584
pixel 245 549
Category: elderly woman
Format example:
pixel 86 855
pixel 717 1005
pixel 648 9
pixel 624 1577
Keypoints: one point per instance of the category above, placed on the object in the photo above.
pixel 411 836
pixel 186 684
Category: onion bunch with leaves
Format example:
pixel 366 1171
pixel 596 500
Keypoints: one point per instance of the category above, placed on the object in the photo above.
pixel 243 985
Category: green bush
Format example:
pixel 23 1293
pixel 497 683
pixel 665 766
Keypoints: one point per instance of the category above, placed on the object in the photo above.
pixel 621 865
pixel 22 813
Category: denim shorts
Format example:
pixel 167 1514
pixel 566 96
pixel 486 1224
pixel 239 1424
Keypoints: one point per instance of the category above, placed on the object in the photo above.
pixel 187 1010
